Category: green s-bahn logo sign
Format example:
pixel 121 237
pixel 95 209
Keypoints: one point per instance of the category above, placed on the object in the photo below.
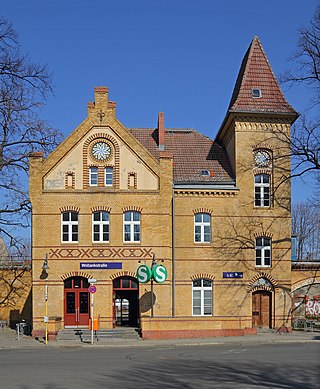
pixel 158 273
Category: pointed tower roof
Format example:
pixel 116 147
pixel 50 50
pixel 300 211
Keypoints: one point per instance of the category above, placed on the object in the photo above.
pixel 257 89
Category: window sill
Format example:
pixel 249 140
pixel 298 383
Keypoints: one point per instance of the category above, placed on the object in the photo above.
pixel 202 243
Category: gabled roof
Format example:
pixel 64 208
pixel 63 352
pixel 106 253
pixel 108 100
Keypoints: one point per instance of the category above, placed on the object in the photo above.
pixel 192 153
pixel 256 73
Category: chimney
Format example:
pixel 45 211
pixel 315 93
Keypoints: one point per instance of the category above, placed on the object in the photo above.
pixel 161 131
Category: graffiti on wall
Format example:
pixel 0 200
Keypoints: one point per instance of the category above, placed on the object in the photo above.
pixel 313 307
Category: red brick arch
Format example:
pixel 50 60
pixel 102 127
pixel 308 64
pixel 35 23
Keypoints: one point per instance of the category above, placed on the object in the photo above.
pixel 202 275
pixel 123 274
pixel 273 282
pixel 76 274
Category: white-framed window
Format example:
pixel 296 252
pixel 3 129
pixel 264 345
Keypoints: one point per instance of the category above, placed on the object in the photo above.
pixel 202 228
pixel 202 297
pixel 131 226
pixel 263 252
pixel 100 226
pixel 93 176
pixel 262 190
pixel 109 176
pixel 69 226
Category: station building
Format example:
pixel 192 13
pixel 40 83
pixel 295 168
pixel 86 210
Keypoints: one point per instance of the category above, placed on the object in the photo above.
pixel 214 213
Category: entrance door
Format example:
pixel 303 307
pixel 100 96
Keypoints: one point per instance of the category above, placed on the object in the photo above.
pixel 261 309
pixel 76 302
pixel 126 302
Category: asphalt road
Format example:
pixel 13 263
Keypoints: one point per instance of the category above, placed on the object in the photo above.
pixel 216 366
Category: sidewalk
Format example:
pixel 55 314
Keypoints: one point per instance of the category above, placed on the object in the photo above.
pixel 9 340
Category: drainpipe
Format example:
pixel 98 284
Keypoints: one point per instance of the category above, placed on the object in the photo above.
pixel 173 258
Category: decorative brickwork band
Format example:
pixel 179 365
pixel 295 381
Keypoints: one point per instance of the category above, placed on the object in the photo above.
pixel 101 165
pixel 101 253
pixel 262 281
pixel 36 154
pixel 122 274
pixel 263 234
pixel 205 193
pixel 132 208
pixel 262 146
pixel 71 208
pixel 101 89
pixel 203 210
pixel 76 274
pixel 265 170
pixel 199 276
pixel 166 155
pixel 132 180
pixel 70 176
pixel 101 208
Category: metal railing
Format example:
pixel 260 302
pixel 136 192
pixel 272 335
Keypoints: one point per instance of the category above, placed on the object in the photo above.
pixel 305 324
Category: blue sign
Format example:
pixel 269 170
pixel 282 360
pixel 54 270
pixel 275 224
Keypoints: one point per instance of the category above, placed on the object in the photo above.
pixel 100 265
pixel 232 274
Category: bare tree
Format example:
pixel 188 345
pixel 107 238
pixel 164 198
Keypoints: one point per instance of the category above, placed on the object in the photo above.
pixel 306 225
pixel 305 137
pixel 24 86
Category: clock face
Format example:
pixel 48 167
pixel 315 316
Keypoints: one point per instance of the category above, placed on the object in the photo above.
pixel 101 151
pixel 262 158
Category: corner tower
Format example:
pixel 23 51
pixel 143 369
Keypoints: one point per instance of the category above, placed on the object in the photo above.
pixel 256 136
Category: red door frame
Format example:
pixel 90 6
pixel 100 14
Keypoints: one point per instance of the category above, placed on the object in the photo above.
pixel 76 302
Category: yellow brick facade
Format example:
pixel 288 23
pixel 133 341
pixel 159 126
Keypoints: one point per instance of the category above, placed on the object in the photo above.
pixel 145 183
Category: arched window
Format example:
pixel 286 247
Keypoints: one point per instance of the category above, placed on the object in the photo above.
pixel 263 252
pixel 262 190
pixel 69 226
pixel 131 226
pixel 100 226
pixel 202 297
pixel 202 228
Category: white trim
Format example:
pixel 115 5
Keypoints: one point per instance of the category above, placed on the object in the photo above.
pixel 261 186
pixel 101 223
pixel 202 289
pixel 131 223
pixel 264 247
pixel 93 175
pixel 202 224
pixel 69 223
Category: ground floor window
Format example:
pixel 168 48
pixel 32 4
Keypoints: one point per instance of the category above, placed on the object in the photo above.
pixel 202 297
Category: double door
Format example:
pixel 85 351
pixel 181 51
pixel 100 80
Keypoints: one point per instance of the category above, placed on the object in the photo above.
pixel 76 308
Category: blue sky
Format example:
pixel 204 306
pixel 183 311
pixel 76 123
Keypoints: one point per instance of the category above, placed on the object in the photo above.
pixel 177 56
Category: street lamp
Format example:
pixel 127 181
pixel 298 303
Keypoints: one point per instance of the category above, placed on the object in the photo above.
pixel 45 267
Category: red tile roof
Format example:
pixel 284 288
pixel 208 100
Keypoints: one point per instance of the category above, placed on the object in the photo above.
pixel 256 73
pixel 192 153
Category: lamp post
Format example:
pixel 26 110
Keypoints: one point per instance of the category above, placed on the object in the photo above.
pixel 153 264
pixel 45 267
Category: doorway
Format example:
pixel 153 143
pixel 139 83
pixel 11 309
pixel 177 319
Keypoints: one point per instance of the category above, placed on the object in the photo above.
pixel 261 309
pixel 76 302
pixel 125 302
